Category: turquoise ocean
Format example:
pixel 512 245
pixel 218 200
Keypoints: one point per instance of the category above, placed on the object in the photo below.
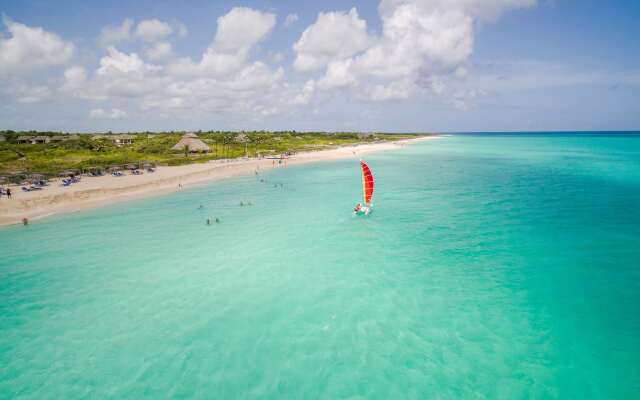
pixel 492 267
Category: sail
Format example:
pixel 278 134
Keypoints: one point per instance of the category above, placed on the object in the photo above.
pixel 367 183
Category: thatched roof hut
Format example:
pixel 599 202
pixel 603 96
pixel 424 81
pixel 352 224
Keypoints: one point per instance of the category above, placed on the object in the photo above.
pixel 241 138
pixel 192 142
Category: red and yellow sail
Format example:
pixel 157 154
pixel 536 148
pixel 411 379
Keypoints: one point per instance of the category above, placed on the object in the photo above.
pixel 367 183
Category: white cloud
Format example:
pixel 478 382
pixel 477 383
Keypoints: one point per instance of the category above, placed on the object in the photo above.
pixel 160 51
pixel 334 35
pixel 241 29
pixel 28 93
pixel 238 32
pixel 29 48
pixel 115 34
pixel 121 63
pixel 421 41
pixel 290 19
pixel 151 30
pixel 398 90
pixel 304 97
pixel 74 79
pixel 338 75
pixel 101 113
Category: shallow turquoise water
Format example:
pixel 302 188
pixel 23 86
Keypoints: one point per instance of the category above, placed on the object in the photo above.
pixel 493 267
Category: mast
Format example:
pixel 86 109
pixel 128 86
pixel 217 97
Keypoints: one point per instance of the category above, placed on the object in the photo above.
pixel 364 188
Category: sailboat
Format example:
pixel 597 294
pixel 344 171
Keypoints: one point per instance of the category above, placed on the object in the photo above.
pixel 367 191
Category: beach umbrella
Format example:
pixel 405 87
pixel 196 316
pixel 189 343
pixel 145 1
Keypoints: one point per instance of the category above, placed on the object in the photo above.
pixel 37 177
pixel 70 172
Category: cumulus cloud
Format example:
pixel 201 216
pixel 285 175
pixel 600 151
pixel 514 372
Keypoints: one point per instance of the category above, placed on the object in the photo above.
pixel 148 30
pixel 237 33
pixel 118 62
pixel 28 48
pixel 160 51
pixel 422 49
pixel 420 40
pixel 224 80
pixel 151 30
pixel 338 75
pixel 115 34
pixel 101 113
pixel 334 35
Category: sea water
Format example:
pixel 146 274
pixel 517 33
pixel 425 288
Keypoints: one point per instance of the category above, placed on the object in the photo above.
pixel 492 267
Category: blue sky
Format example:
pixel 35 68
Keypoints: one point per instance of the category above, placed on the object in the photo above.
pixel 393 65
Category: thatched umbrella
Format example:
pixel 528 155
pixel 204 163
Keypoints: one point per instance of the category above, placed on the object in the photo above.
pixel 242 138
pixel 192 143
pixel 114 168
pixel 131 166
pixel 70 172
pixel 94 170
pixel 37 177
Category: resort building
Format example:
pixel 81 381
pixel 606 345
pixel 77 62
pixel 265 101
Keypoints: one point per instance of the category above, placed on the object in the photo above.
pixel 33 139
pixel 44 139
pixel 63 138
pixel 192 142
pixel 118 140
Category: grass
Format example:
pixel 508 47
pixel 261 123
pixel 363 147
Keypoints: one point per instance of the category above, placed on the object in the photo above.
pixel 20 160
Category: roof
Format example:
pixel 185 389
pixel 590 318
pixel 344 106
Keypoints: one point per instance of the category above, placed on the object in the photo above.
pixel 191 141
pixel 241 138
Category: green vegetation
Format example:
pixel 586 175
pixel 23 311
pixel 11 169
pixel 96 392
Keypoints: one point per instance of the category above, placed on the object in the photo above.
pixel 85 151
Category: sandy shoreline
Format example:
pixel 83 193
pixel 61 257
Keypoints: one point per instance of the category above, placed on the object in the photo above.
pixel 93 192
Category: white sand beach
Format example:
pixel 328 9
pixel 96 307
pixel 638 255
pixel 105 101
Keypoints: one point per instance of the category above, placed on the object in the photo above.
pixel 93 192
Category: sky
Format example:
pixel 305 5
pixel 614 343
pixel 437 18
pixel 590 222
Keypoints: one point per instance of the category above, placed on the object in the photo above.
pixel 362 65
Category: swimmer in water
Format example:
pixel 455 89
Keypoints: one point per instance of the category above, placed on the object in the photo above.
pixel 25 221
pixel 217 220
pixel 208 221
pixel 241 204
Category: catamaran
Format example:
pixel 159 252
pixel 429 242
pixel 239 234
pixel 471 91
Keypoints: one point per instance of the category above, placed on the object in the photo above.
pixel 367 191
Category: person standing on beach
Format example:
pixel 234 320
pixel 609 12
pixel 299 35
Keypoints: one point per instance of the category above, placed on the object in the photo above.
pixel 8 193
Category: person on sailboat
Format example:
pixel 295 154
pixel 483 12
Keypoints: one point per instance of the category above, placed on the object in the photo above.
pixel 367 190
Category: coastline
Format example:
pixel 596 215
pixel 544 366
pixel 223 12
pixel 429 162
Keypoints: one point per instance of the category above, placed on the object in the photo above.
pixel 93 192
